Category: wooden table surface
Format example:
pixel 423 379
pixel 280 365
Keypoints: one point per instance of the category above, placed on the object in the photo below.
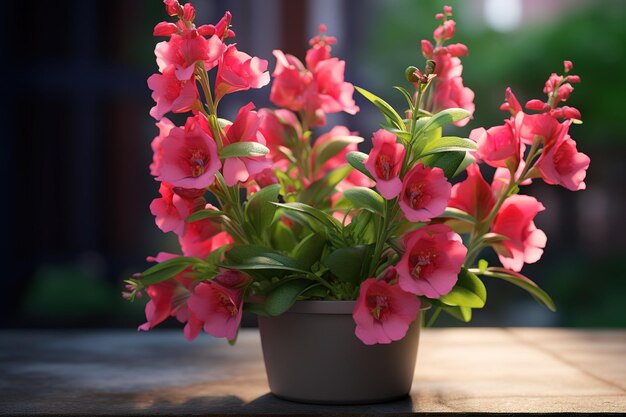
pixel 121 372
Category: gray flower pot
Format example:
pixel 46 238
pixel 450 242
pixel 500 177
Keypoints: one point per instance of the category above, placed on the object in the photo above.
pixel 312 356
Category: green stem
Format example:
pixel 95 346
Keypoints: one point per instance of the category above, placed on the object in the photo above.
pixel 433 317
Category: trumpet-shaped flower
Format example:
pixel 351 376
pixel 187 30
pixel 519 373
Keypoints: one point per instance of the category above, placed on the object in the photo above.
pixel 432 261
pixel 562 164
pixel 238 71
pixel 245 128
pixel 425 193
pixel 189 156
pixel 385 162
pixel 171 210
pixel 524 242
pixel 473 195
pixel 219 308
pixel 171 94
pixel 383 312
pixel 185 49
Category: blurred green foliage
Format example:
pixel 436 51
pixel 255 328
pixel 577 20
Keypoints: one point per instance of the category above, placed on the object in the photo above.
pixel 592 35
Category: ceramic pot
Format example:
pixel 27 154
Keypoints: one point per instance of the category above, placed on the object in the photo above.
pixel 312 355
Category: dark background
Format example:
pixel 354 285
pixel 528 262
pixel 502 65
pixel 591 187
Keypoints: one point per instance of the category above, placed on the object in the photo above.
pixel 76 138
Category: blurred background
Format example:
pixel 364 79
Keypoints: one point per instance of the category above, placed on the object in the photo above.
pixel 76 138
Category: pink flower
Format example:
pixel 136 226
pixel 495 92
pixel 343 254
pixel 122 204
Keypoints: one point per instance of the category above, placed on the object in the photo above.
pixel 473 195
pixel 167 298
pixel 218 307
pixel 432 261
pixel 185 49
pixel 159 307
pixel 189 157
pixel 171 94
pixel 320 48
pixel 238 71
pixel 334 93
pixel 165 125
pixel 562 164
pixel 425 193
pixel 314 90
pixel 291 80
pixel 385 162
pixel 543 127
pixel 279 128
pixel 510 102
pixel 171 210
pixel 524 242
pixel 448 89
pixel 383 312
pixel 203 236
pixel 499 146
pixel 245 128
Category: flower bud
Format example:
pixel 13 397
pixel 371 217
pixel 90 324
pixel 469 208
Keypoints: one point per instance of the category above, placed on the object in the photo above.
pixel 447 10
pixel 457 49
pixel 189 13
pixel 537 105
pixel 439 16
pixel 173 7
pixel 427 49
pixel 564 91
pixel 430 67
pixel 573 78
pixel 568 66
pixel 165 29
pixel 412 74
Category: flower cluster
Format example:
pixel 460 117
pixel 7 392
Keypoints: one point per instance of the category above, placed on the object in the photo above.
pixel 392 229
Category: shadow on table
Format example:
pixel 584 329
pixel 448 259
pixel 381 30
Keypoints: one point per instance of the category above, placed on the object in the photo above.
pixel 270 405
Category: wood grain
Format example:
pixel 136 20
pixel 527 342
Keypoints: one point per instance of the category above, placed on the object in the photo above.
pixel 515 370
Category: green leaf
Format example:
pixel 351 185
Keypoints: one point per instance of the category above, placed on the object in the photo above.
pixel 407 96
pixel 167 269
pixel 325 186
pixel 468 159
pixel 309 250
pixel 331 147
pixel 315 291
pixel 317 215
pixel 448 144
pixel 243 149
pixel 460 313
pixel 348 264
pixel 365 198
pixel 523 282
pixel 469 291
pixel 445 117
pixel 357 160
pixel 204 214
pixel 405 136
pixel 449 162
pixel 251 257
pixel 457 214
pixel 281 298
pixel 258 209
pixel 482 266
pixel 390 114
pixel 255 308
pixel 283 239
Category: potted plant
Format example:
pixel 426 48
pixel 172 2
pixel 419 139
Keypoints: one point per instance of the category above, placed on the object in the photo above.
pixel 339 252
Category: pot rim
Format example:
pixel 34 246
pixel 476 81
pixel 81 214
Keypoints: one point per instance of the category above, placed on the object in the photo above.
pixel 322 307
pixel 328 307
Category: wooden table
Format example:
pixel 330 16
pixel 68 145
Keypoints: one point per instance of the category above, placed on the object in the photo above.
pixel 514 370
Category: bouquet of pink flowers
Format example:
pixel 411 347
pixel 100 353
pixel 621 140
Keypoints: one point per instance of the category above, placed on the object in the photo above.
pixel 292 218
